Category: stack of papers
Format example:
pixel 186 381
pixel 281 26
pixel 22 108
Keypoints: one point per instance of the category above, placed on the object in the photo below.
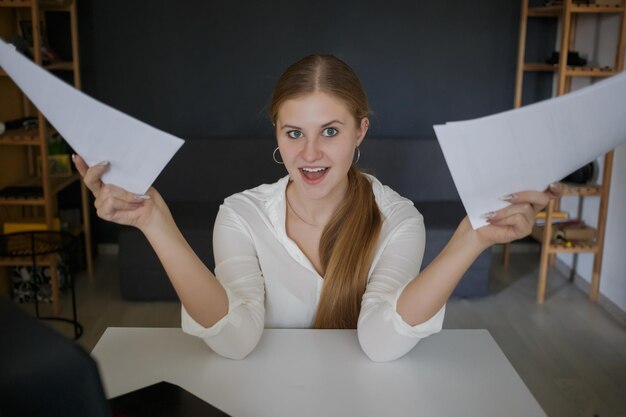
pixel 136 151
pixel 533 146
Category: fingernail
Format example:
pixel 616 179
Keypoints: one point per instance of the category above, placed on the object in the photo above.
pixel 508 197
pixel 74 157
pixel 142 197
pixel 555 185
pixel 488 215
pixel 103 163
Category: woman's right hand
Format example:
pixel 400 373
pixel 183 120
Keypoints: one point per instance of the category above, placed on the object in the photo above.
pixel 118 205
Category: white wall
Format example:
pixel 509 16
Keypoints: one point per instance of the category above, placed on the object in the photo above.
pixel 596 40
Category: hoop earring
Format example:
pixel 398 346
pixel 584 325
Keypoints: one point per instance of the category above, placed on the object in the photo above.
pixel 358 156
pixel 276 159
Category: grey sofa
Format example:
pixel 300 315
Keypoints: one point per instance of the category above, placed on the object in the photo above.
pixel 205 171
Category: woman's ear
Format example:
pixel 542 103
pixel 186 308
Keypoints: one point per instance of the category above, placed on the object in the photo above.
pixel 364 126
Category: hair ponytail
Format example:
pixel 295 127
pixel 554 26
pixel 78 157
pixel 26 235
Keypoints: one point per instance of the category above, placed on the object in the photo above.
pixel 346 249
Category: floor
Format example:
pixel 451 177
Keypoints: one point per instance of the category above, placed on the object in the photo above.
pixel 570 353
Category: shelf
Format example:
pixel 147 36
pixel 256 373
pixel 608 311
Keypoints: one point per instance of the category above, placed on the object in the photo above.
pixel 555 11
pixel 15 3
pixel 594 8
pixel 56 184
pixel 545 11
pixel 20 137
pixel 571 71
pixel 60 66
pixel 539 67
pixel 43 260
pixel 24 137
pixel 55 66
pixel 575 246
pixel 582 190
pixel 590 72
pixel 43 5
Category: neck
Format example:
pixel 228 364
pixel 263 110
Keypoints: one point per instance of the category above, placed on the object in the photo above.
pixel 313 212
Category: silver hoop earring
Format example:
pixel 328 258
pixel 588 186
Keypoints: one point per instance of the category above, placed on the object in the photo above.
pixel 358 156
pixel 276 159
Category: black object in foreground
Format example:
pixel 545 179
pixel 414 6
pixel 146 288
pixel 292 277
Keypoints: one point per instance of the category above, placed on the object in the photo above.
pixel 162 399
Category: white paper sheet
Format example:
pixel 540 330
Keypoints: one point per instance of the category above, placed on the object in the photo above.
pixel 530 147
pixel 136 151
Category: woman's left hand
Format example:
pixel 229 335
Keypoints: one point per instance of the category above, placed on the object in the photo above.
pixel 516 221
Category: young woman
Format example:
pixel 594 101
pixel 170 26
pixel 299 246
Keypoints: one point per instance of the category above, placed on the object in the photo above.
pixel 326 246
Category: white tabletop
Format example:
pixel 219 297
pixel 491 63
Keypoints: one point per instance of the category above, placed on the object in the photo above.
pixel 322 373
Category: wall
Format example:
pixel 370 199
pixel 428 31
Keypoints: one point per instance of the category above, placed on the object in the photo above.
pixel 207 68
pixel 200 69
pixel 596 40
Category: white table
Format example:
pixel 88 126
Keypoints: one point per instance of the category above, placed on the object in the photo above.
pixel 322 373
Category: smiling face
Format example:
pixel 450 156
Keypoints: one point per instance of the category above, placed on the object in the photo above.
pixel 317 136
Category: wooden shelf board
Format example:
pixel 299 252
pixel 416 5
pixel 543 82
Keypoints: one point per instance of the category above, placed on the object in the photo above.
pixel 15 3
pixel 20 137
pixel 583 190
pixel 590 72
pixel 56 184
pixel 42 6
pixel 45 260
pixel 571 71
pixel 557 10
pixel 537 66
pixel 60 66
pixel 594 8
pixel 576 247
pixel 34 201
pixel 24 136
pixel 545 11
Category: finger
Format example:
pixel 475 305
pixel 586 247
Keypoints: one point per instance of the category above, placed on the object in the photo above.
pixel 555 190
pixel 113 209
pixel 515 226
pixel 109 195
pixel 524 209
pixel 92 176
pixel 537 199
pixel 80 164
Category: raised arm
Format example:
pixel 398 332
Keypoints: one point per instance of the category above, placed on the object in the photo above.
pixel 199 291
pixel 400 306
pixel 428 292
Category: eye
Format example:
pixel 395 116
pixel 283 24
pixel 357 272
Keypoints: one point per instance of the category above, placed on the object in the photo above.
pixel 330 131
pixel 294 134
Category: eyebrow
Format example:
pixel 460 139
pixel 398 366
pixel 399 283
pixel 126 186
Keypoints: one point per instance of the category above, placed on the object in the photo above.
pixel 324 125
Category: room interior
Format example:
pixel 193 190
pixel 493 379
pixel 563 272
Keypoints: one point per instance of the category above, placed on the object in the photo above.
pixel 204 72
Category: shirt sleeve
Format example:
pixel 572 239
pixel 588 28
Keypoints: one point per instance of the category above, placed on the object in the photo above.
pixel 237 268
pixel 383 334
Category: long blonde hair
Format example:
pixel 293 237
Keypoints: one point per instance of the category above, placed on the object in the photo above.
pixel 349 239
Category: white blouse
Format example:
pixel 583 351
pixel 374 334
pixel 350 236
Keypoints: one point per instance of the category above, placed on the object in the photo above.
pixel 271 283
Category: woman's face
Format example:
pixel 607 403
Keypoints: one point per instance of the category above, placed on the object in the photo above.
pixel 317 136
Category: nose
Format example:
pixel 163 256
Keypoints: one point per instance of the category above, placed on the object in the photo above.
pixel 312 151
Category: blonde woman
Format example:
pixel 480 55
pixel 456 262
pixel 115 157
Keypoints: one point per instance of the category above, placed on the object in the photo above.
pixel 327 246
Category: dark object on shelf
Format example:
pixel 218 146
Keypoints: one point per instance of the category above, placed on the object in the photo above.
pixel 22 123
pixel 584 175
pixel 17 191
pixel 33 245
pixel 573 59
pixel 21 45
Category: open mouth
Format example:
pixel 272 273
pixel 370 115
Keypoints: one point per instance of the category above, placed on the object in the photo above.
pixel 313 175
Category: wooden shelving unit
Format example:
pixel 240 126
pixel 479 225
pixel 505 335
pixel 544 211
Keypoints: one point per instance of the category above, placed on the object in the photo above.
pixel 568 13
pixel 34 142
